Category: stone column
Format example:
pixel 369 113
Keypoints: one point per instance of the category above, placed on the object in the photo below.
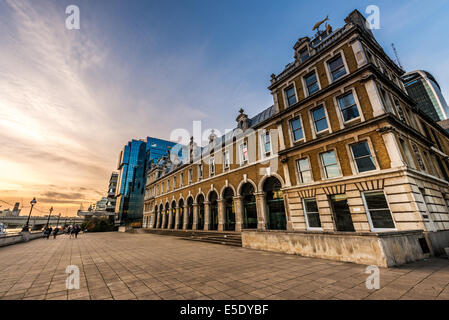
pixel 238 213
pixel 261 211
pixel 164 218
pixel 159 220
pixel 195 217
pixel 152 217
pixel 177 217
pixel 186 218
pixel 170 218
pixel 221 215
pixel 206 215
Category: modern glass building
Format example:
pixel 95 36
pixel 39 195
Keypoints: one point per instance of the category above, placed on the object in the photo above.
pixel 134 161
pixel 422 87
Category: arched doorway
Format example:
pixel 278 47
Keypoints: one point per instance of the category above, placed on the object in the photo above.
pixel 200 201
pixel 161 214
pixel 173 215
pixel 181 214
pixel 249 207
pixel 167 211
pixel 155 217
pixel 213 211
pixel 274 199
pixel 229 211
pixel 189 213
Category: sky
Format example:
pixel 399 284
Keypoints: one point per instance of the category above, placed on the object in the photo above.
pixel 71 99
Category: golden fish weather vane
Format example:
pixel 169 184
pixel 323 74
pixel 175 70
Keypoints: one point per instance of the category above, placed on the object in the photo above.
pixel 319 23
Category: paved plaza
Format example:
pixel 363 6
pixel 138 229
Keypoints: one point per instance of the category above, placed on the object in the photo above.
pixel 146 266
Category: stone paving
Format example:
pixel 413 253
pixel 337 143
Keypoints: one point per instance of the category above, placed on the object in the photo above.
pixel 146 266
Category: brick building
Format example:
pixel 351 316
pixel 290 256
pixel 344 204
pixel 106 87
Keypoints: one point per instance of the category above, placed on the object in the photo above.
pixel 342 166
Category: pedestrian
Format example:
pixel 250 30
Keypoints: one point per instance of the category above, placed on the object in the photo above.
pixel 46 232
pixel 77 229
pixel 55 232
pixel 49 229
pixel 69 231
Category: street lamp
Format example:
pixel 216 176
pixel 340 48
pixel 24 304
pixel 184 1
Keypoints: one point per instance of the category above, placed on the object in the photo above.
pixel 57 223
pixel 27 228
pixel 48 220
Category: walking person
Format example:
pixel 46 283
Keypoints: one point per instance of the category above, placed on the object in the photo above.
pixel 77 229
pixel 69 231
pixel 55 232
pixel 46 231
pixel 49 229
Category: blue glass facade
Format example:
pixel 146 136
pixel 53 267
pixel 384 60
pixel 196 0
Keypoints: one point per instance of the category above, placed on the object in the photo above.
pixel 134 161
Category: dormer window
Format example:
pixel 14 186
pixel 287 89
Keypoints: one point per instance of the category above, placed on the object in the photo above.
pixel 303 54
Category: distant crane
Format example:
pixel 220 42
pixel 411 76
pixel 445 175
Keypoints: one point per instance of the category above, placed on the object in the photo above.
pixel 397 56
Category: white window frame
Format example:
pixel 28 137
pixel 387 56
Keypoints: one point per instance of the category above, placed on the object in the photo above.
pixel 354 162
pixel 263 152
pixel 307 218
pixel 290 85
pixel 312 120
pixel 340 112
pixel 292 135
pixel 211 166
pixel 328 71
pixel 304 83
pixel 300 182
pixel 368 213
pixel 190 176
pixel 241 154
pixel 200 172
pixel 174 182
pixel 323 167
pixel 226 164
pixel 181 179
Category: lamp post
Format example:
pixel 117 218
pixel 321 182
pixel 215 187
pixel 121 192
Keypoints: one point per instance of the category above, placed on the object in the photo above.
pixel 26 228
pixel 48 220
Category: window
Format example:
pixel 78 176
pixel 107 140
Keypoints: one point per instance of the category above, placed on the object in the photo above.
pixel 163 187
pixel 408 156
pixel 168 185
pixel 227 160
pixel 174 183
pixel 296 126
pixel 337 67
pixel 266 142
pixel 348 107
pixel 418 157
pixel 401 113
pixel 379 214
pixel 190 175
pixel 182 179
pixel 362 157
pixel 319 119
pixel 311 83
pixel 243 153
pixel 311 213
pixel 303 54
pixel 200 171
pixel 330 165
pixel 304 171
pixel 291 95
pixel 212 166
pixel 387 101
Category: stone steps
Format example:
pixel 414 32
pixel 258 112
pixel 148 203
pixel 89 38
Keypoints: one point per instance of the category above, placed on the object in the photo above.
pixel 218 237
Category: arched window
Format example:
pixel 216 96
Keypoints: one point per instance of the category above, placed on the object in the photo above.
pixel 249 207
pixel 189 213
pixel 200 202
pixel 275 204
pixel 229 211
pixel 181 214
pixel 213 210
